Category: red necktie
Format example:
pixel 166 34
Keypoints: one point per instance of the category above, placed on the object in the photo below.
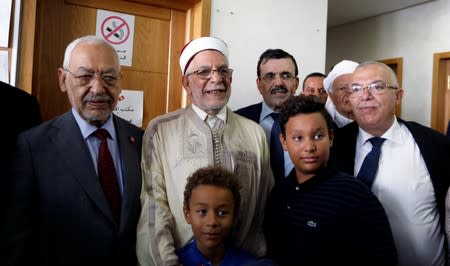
pixel 107 174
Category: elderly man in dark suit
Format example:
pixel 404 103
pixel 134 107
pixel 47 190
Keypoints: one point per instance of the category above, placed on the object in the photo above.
pixel 412 175
pixel 64 207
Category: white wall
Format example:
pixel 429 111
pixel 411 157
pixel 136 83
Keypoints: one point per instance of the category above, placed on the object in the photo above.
pixel 249 27
pixel 414 34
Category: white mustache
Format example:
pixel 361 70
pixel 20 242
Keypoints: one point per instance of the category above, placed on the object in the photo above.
pixel 103 97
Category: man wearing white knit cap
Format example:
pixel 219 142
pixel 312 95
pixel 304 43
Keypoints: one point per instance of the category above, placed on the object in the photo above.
pixel 204 133
pixel 337 86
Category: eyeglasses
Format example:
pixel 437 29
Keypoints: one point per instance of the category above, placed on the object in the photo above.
pixel 86 79
pixel 378 87
pixel 311 91
pixel 284 76
pixel 207 73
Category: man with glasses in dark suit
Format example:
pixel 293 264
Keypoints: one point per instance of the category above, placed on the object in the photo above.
pixel 276 80
pixel 412 175
pixel 63 209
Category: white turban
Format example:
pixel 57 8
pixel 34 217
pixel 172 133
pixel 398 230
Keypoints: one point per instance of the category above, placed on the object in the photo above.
pixel 198 45
pixel 341 68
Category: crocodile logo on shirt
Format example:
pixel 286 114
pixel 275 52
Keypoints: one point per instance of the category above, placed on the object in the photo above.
pixel 311 223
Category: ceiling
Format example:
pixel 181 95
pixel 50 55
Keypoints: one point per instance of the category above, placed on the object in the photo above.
pixel 345 11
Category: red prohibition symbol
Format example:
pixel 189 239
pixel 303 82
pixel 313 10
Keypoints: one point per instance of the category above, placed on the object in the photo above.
pixel 115 30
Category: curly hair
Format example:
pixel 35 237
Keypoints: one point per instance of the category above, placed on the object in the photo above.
pixel 215 176
pixel 303 105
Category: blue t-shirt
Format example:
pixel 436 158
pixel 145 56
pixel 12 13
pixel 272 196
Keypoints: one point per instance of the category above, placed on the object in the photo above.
pixel 189 255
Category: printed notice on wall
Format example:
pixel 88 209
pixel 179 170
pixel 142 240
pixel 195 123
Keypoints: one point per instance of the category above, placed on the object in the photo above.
pixel 131 106
pixel 118 30
pixel 5 18
pixel 4 69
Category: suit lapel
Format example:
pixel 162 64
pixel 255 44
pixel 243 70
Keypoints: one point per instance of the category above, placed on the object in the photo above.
pixel 252 112
pixel 256 114
pixel 128 143
pixel 74 153
pixel 344 148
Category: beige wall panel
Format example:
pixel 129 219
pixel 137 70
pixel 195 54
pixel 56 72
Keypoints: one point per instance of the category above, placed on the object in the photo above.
pixel 154 87
pixel 151 45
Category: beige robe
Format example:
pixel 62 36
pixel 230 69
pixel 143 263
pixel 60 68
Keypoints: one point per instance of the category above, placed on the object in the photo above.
pixel 174 146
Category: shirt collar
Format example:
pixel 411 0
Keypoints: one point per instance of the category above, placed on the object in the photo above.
pixel 87 129
pixel 202 114
pixel 265 111
pixel 199 256
pixel 310 184
pixel 393 134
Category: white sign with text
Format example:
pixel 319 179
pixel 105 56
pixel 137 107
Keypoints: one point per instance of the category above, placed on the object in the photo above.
pixel 131 106
pixel 118 30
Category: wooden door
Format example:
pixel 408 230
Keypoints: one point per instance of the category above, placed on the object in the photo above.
pixel 159 34
pixel 440 105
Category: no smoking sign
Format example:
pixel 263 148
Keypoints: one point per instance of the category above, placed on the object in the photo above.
pixel 117 29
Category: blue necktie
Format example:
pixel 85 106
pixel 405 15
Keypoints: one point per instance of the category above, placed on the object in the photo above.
pixel 369 166
pixel 276 151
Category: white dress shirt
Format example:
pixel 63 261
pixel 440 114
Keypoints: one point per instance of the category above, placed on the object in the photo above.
pixel 404 188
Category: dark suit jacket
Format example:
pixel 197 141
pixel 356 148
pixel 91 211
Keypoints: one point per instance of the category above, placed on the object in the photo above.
pixel 57 213
pixel 21 112
pixel 434 146
pixel 252 112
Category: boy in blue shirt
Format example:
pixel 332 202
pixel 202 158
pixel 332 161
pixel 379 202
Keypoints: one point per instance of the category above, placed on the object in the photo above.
pixel 211 203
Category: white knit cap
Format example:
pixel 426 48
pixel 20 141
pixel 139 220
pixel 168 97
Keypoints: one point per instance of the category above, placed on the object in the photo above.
pixel 341 68
pixel 198 45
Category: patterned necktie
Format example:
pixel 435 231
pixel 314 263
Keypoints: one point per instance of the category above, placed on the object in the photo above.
pixel 369 166
pixel 107 174
pixel 215 124
pixel 276 150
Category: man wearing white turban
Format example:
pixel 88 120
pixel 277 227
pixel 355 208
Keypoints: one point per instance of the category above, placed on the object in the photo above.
pixel 204 133
pixel 337 86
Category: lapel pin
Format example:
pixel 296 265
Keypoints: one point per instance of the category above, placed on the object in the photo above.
pixel 132 139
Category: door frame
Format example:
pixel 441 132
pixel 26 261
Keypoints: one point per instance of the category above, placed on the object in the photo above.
pixel 438 98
